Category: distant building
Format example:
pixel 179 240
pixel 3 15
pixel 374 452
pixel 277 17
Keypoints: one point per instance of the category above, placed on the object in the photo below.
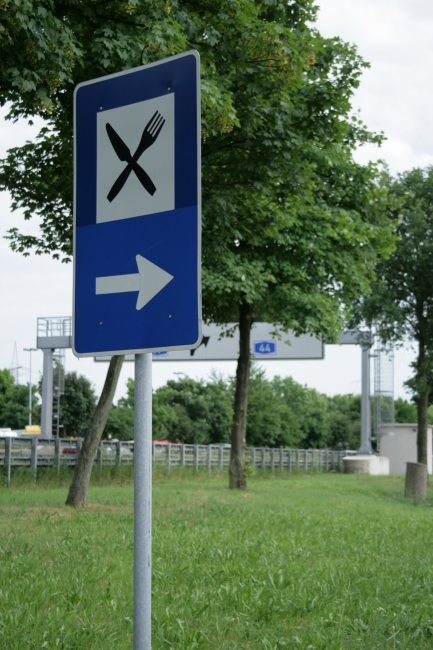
pixel 398 443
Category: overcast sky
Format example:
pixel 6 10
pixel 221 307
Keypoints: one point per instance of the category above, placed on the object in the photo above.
pixel 395 36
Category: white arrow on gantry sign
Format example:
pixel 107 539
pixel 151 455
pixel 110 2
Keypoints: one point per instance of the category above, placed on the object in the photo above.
pixel 149 281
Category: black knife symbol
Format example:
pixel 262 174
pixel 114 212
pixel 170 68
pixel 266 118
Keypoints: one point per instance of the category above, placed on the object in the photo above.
pixel 150 134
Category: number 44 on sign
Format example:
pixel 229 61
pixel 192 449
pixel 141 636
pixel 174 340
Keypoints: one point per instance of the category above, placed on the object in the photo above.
pixel 264 347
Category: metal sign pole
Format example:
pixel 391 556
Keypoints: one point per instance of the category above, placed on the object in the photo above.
pixel 142 501
pixel 156 306
pixel 366 447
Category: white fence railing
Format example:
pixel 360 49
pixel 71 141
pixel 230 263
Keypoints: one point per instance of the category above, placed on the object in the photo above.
pixel 57 453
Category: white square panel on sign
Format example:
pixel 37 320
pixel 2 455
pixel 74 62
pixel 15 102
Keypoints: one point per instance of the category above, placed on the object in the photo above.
pixel 130 181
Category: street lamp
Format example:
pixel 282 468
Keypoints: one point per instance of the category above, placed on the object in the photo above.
pixel 30 383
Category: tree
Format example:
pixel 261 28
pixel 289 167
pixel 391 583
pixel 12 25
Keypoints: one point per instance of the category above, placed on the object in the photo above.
pixel 270 421
pixel 344 421
pixel 404 411
pixel 110 37
pixel 201 411
pixel 281 413
pixel 120 423
pixel 83 468
pixel 309 408
pixel 401 301
pixel 14 402
pixel 292 226
pixel 39 52
pixel 77 404
pixel 193 412
pixel 299 225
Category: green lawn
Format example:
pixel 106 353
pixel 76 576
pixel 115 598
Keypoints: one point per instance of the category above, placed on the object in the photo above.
pixel 309 562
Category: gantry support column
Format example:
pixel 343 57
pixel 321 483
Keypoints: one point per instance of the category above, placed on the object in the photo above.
pixel 366 447
pixel 47 395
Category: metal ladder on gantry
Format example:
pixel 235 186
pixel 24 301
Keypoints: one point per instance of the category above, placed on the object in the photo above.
pixel 54 335
pixel 383 398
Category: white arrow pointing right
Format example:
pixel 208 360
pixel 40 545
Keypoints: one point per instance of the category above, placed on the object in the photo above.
pixel 149 281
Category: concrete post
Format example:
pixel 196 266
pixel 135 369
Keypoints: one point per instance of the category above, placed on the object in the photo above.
pixel 57 454
pixel 416 481
pixel 209 459
pixel 168 458
pixel 34 457
pixel 365 447
pixel 8 459
pixel 47 396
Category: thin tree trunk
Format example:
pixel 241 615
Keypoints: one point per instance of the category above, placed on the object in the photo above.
pixel 422 406
pixel 421 441
pixel 237 454
pixel 80 482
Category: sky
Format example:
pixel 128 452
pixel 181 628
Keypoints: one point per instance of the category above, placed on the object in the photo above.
pixel 393 97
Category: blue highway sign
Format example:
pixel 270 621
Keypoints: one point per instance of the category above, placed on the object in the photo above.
pixel 137 210
pixel 264 348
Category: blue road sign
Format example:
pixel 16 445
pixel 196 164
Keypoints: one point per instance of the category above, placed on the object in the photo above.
pixel 137 211
pixel 264 348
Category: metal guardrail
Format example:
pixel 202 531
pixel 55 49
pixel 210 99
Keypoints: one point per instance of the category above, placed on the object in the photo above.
pixel 57 453
pixel 57 326
pixel 218 456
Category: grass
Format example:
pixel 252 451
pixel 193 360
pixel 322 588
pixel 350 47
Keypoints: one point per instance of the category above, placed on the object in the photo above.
pixel 310 562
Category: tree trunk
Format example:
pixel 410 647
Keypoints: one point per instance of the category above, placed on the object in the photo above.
pixel 421 440
pixel 237 454
pixel 423 390
pixel 80 482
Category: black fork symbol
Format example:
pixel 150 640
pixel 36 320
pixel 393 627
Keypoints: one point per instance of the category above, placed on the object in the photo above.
pixel 150 133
